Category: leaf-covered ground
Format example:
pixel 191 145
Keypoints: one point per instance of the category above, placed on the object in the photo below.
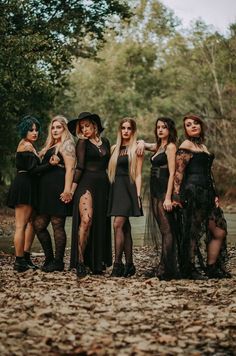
pixel 57 314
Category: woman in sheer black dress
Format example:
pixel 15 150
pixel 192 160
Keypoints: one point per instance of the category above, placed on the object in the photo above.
pixel 22 195
pixel 91 228
pixel 124 170
pixel 160 220
pixel 195 194
pixel 55 193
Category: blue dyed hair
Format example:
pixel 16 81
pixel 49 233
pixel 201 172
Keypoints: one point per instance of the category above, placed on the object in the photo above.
pixel 26 124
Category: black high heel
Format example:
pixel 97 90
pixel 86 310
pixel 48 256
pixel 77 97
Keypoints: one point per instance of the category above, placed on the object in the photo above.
pixel 130 270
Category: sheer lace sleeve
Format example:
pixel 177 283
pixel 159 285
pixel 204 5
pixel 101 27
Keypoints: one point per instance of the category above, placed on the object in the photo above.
pixel 80 155
pixel 183 156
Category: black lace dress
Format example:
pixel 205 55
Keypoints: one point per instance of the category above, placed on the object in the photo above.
pixel 194 188
pixel 123 198
pixel 23 189
pixel 160 223
pixel 91 176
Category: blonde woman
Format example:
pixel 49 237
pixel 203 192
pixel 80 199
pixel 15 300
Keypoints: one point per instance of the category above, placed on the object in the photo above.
pixel 91 228
pixel 124 172
pixel 55 193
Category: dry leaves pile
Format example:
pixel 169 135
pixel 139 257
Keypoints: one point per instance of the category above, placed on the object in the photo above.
pixel 57 314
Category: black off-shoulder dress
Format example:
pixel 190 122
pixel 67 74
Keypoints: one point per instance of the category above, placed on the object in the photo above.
pixel 24 188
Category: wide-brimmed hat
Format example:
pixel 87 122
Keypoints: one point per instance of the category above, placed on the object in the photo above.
pixel 82 116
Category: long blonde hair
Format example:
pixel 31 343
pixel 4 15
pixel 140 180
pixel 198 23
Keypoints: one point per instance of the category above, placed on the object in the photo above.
pixel 66 135
pixel 132 156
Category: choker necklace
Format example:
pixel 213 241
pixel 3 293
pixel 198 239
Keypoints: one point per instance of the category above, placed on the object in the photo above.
pixel 196 140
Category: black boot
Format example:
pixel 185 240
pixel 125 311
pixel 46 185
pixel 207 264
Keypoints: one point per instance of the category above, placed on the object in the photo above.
pixel 48 252
pixel 56 265
pixel 129 270
pixel 29 261
pixel 214 271
pixel 20 264
pixel 81 270
pixel 118 270
pixel 152 273
pixel 196 275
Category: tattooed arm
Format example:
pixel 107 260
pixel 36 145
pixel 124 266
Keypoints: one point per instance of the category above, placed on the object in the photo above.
pixel 68 153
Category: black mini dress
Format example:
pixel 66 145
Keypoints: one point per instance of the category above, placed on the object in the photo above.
pixel 23 189
pixel 51 185
pixel 123 197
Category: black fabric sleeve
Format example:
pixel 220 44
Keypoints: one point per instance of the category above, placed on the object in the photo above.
pixel 80 155
pixel 33 166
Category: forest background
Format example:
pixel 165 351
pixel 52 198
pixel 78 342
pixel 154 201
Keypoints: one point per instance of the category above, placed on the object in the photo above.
pixel 115 58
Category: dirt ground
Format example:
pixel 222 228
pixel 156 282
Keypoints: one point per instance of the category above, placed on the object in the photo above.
pixel 58 314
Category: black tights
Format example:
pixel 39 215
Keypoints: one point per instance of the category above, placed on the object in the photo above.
pixel 123 239
pixel 41 223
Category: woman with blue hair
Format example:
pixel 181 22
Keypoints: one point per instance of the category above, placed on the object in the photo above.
pixel 22 195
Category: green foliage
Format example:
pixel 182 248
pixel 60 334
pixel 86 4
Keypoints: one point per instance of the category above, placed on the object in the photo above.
pixel 39 39
pixel 153 69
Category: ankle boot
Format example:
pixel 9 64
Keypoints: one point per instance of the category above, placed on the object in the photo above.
pixel 118 270
pixel 195 274
pixel 55 265
pixel 81 270
pixel 48 251
pixel 129 270
pixel 20 264
pixel 29 261
pixel 214 271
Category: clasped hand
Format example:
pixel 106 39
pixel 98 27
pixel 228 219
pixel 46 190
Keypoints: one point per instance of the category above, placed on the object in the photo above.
pixel 66 197
pixel 54 160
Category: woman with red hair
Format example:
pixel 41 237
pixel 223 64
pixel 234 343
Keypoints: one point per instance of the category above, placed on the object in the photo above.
pixel 195 194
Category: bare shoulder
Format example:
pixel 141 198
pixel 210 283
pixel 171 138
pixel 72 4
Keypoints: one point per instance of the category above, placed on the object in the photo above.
pixel 187 145
pixel 171 148
pixel 25 146
pixel 68 148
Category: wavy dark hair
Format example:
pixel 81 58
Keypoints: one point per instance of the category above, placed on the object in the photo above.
pixel 170 124
pixel 199 120
pixel 26 124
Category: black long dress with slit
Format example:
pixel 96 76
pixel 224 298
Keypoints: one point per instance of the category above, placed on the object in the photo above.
pixel 91 176
pixel 161 223
pixel 194 187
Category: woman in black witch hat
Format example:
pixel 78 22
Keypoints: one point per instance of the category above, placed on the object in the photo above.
pixel 91 228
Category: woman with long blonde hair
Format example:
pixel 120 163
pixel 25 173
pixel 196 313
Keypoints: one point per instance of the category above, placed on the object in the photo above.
pixel 124 172
pixel 55 193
